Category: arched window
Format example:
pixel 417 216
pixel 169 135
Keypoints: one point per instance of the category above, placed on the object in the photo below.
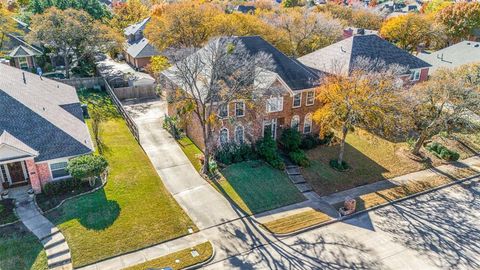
pixel 224 136
pixel 307 124
pixel 295 122
pixel 239 134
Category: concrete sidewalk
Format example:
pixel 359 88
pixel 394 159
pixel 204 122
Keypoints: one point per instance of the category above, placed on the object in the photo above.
pixel 56 247
pixel 444 170
pixel 203 204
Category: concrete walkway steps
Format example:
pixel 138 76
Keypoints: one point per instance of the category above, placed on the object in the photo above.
pixel 53 241
pixel 295 175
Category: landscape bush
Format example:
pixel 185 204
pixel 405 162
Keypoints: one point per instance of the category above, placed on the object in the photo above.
pixel 442 152
pixel 310 141
pixel 291 139
pixel 340 167
pixel 299 158
pixel 267 149
pixel 233 153
pixel 60 187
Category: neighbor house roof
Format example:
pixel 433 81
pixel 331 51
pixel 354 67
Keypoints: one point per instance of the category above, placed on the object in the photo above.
pixel 134 28
pixel 341 56
pixel 142 48
pixel 42 114
pixel 21 51
pixel 462 53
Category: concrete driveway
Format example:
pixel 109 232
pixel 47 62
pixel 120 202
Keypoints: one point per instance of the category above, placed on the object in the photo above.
pixel 205 206
pixel 440 230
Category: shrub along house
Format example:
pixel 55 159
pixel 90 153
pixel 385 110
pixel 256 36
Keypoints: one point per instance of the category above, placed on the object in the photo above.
pixel 41 128
pixel 339 58
pixel 289 101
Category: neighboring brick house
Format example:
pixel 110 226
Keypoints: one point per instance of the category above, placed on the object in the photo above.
pixel 41 128
pixel 138 50
pixel 340 57
pixel 289 101
pixel 23 57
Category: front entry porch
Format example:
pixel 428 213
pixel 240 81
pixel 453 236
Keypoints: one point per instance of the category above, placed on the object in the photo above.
pixel 14 174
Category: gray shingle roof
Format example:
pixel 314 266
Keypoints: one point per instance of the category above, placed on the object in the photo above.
pixel 22 51
pixel 341 56
pixel 8 139
pixel 33 113
pixel 462 53
pixel 134 28
pixel 142 48
pixel 296 75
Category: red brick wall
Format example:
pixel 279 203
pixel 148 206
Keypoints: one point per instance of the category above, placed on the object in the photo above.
pixel 142 62
pixel 44 173
pixel 33 175
pixel 424 74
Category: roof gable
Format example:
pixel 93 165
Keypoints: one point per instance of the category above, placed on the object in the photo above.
pixel 13 148
pixel 134 28
pixel 22 51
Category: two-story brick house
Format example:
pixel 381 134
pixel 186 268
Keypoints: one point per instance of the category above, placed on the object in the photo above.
pixel 339 58
pixel 289 101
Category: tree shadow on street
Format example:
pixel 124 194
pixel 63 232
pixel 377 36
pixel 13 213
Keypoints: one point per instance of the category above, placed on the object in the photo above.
pixel 441 226
pixel 318 251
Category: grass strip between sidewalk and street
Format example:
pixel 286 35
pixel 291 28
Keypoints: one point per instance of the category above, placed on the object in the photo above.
pixel 296 222
pixel 384 196
pixel 180 259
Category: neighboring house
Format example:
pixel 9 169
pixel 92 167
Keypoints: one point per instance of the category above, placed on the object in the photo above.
pixel 351 31
pixel 339 58
pixel 138 50
pixel 23 57
pixel 244 9
pixel 41 128
pixel 288 101
pixel 465 52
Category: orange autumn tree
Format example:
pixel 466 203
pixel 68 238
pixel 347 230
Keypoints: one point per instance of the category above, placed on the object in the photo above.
pixel 368 98
pixel 460 19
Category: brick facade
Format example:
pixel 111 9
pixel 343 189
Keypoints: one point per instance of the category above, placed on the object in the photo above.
pixel 253 120
pixel 39 174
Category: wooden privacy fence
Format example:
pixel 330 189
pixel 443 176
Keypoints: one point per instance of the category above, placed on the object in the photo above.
pixel 139 91
pixel 130 123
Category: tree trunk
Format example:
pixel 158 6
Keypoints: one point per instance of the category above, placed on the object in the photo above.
pixel 342 145
pixel 419 143
pixel 67 66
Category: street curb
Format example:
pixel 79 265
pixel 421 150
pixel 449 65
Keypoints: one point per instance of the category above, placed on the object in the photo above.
pixel 200 264
pixel 334 220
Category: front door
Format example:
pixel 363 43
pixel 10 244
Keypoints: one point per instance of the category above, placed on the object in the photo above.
pixel 16 172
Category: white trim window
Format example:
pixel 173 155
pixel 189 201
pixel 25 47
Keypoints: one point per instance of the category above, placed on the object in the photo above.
pixel 223 110
pixel 307 124
pixel 297 100
pixel 310 98
pixel 223 136
pixel 270 125
pixel 239 134
pixel 295 123
pixel 274 104
pixel 239 108
pixel 415 75
pixel 59 169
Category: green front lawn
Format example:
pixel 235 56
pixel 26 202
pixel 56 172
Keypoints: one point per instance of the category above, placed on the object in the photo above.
pixel 132 211
pixel 253 185
pixel 259 186
pixel 371 159
pixel 6 211
pixel 20 249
